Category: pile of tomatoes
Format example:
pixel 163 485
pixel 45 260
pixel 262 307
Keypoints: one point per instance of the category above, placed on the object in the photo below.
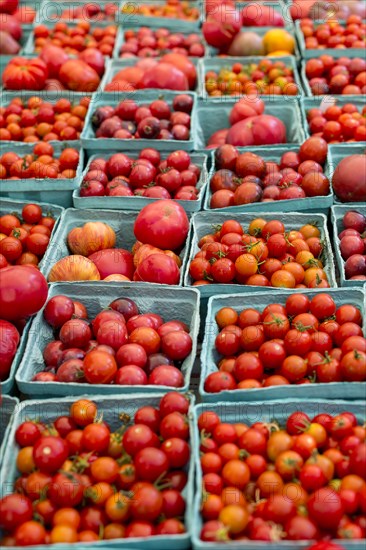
pixel 40 164
pixel 244 178
pixel 173 9
pixel 353 244
pixel 38 120
pixel 157 120
pixel 304 341
pixel 146 42
pixel 345 76
pixel 304 480
pixel 338 123
pixel 81 481
pixel 76 38
pixel 118 346
pixel 263 255
pixel 88 11
pixel 148 176
pixel 24 239
pixel 331 34
pixel 265 77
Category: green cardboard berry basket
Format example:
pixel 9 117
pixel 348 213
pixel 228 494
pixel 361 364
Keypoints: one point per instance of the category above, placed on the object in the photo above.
pixel 8 406
pixel 210 357
pixel 171 303
pixel 213 115
pixel 308 204
pixel 133 18
pixel 204 222
pixel 110 407
pixel 307 53
pixel 137 202
pixel 217 63
pixel 122 223
pixel 57 191
pixel 263 412
pixel 337 213
pixel 91 143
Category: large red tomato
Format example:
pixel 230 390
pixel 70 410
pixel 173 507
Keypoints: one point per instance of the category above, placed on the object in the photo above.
pixel 8 6
pixel 9 340
pixel 25 74
pixel 94 58
pixel 163 224
pixel 257 130
pixel 78 76
pixel 349 179
pixel 184 64
pixel 166 77
pixel 54 57
pixel 11 25
pixel 113 260
pixel 23 291
pixel 158 268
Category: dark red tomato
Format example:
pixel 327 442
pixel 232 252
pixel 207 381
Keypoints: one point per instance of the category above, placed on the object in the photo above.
pixel 297 422
pixel 95 437
pixel 341 427
pixel 174 424
pixel 125 306
pixel 28 433
pixel 64 425
pixel 177 479
pixel 177 450
pixel 166 375
pixel 14 511
pixel 113 334
pixel 358 460
pixel 151 463
pixel 147 503
pixel 131 354
pixel 149 416
pixel 219 381
pixel 224 433
pixel 173 402
pixel 325 508
pixel 272 354
pixel 92 518
pixel 279 509
pixel 137 437
pixel 171 326
pixel 296 304
pixel 66 490
pixel 176 345
pixel 297 342
pixel 75 333
pixel 49 453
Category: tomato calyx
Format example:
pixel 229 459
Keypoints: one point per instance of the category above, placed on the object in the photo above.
pixel 276 321
pixel 80 463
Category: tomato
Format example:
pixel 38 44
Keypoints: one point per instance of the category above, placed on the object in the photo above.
pixel 15 510
pixel 301 528
pixel 95 437
pixel 83 412
pixel 163 224
pixel 27 433
pixel 104 469
pixel 278 442
pixel 137 437
pixel 358 460
pixel 279 509
pixel 253 441
pixel 325 508
pixel 58 310
pixel 288 464
pixel 27 288
pixel 99 367
pixel 117 507
pixel 270 483
pixel 353 366
pixel 30 533
pixel 25 74
pixel 235 518
pixel 9 340
pixel 275 325
pixel 151 463
pixel 77 75
pixel 348 314
pixel 50 453
pixel 66 490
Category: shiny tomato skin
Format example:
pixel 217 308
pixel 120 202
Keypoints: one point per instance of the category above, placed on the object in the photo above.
pixel 27 288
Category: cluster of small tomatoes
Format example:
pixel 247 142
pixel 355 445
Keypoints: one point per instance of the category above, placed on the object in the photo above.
pixel 148 176
pixel 353 244
pixel 75 38
pixel 265 77
pixel 338 123
pixel 147 42
pixel 244 178
pixel 263 255
pixel 82 481
pixel 331 34
pixel 305 341
pixel 119 345
pixel 38 120
pixel 24 239
pixel 157 120
pixel 173 9
pixel 40 164
pixel 89 11
pixel 302 481
pixel 345 76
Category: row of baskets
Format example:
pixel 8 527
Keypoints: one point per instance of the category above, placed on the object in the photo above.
pixel 111 407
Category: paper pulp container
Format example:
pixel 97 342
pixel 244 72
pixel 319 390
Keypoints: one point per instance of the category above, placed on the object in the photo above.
pixel 91 143
pixel 210 357
pixel 132 17
pixel 111 407
pixel 263 412
pixel 308 204
pixel 56 191
pixel 214 114
pixel 337 152
pixel 137 202
pixel 337 213
pixel 8 405
pixel 171 303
